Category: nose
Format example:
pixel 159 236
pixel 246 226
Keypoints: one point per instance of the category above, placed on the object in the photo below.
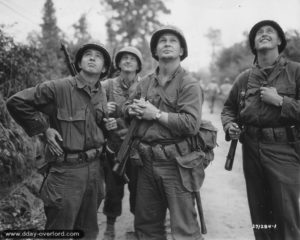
pixel 168 43
pixel 92 57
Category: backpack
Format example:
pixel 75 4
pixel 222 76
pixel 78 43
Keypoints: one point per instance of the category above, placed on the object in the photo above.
pixel 207 137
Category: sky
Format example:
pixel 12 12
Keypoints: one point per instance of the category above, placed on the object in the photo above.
pixel 194 17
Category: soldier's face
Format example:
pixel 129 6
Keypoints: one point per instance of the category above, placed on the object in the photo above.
pixel 92 62
pixel 168 47
pixel 128 63
pixel 266 38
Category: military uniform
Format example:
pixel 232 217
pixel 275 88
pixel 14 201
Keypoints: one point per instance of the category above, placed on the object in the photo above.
pixel 74 187
pixel 117 90
pixel 271 143
pixel 160 185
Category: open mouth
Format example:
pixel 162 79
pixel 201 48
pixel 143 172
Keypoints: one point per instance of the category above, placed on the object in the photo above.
pixel 265 40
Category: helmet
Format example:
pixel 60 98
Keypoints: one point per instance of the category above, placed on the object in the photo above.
pixel 99 47
pixel 271 23
pixel 131 50
pixel 168 29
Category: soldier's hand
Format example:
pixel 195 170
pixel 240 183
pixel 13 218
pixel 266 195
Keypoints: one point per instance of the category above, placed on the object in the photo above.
pixel 148 111
pixel 234 131
pixel 269 95
pixel 136 108
pixel 111 107
pixel 52 136
pixel 110 123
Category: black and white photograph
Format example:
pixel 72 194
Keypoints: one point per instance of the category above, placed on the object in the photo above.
pixel 150 119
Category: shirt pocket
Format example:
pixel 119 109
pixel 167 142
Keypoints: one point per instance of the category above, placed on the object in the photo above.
pixel 72 128
pixel 288 91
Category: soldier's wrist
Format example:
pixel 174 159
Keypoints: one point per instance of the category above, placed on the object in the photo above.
pixel 280 102
pixel 157 115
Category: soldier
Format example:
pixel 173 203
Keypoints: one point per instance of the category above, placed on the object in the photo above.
pixel 270 113
pixel 212 91
pixel 129 62
pixel 76 107
pixel 170 115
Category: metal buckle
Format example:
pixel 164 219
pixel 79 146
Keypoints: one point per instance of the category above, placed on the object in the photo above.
pixel 82 157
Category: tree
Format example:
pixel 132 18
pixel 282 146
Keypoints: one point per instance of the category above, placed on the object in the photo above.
pixel 81 34
pixel 50 42
pixel 20 66
pixel 214 37
pixel 292 50
pixel 131 22
pixel 233 60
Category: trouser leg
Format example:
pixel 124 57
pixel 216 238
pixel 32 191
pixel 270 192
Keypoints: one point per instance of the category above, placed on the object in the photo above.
pixel 181 204
pixel 132 173
pixel 114 192
pixel 283 172
pixel 87 219
pixel 150 208
pixel 60 201
pixel 258 191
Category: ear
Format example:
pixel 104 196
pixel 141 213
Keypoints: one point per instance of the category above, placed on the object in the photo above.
pixel 181 52
pixel 103 70
pixel 279 41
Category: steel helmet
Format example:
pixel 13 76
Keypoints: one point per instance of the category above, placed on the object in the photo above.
pixel 168 29
pixel 131 50
pixel 271 23
pixel 99 47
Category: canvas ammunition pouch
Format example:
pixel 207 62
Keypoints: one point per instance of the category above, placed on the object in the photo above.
pixel 68 159
pixel 288 134
pixel 189 163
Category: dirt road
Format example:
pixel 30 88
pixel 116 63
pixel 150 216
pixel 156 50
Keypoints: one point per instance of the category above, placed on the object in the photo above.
pixel 223 197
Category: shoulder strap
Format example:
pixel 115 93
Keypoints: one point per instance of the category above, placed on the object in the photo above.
pixel 242 93
pixel 110 90
pixel 145 88
pixel 164 97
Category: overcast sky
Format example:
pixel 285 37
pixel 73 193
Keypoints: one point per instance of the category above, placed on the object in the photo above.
pixel 194 17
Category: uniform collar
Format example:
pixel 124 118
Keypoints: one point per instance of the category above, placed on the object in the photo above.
pixel 279 60
pixel 175 73
pixel 126 85
pixel 81 84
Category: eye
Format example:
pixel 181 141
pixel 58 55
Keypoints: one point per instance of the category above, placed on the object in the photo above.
pixel 259 32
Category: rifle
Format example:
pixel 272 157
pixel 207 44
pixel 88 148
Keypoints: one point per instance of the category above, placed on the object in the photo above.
pixel 200 212
pixel 231 154
pixel 234 142
pixel 70 64
pixel 123 154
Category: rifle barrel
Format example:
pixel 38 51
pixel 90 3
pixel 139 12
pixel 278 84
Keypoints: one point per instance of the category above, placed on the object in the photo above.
pixel 231 154
pixel 200 212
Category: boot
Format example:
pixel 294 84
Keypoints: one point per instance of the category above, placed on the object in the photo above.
pixel 109 233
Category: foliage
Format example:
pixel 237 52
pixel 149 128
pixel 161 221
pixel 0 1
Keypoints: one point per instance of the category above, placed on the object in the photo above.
pixel 131 22
pixel 233 60
pixel 50 43
pixel 81 34
pixel 20 66
pixel 236 58
pixel 292 50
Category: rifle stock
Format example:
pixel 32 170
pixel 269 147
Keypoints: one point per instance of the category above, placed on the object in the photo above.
pixel 70 64
pixel 200 212
pixel 231 154
pixel 123 154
